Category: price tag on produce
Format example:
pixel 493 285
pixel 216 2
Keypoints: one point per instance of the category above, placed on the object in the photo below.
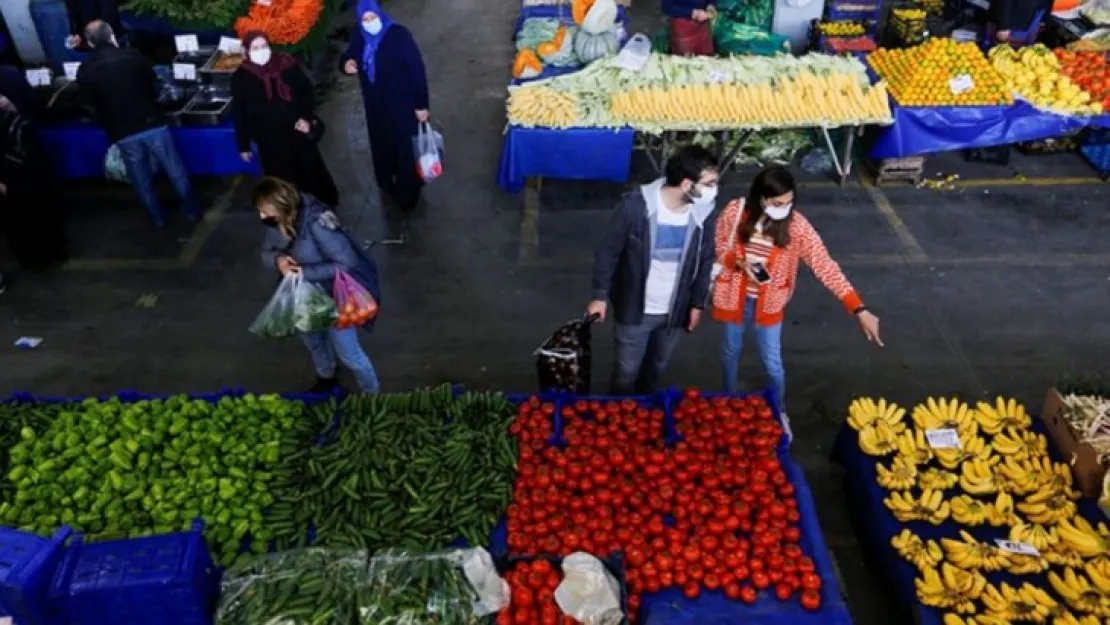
pixel 184 71
pixel 943 439
pixel 186 43
pixel 229 45
pixel 717 78
pixel 1024 549
pixel 71 69
pixel 961 84
pixel 38 78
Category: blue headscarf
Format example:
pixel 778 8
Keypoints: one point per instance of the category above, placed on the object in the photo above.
pixel 371 41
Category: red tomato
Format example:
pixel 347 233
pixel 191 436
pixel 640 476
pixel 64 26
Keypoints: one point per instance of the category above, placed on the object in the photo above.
pixel 783 592
pixel 691 590
pixel 748 594
pixel 523 597
pixel 732 591
pixel 811 581
pixel 811 600
pixel 760 579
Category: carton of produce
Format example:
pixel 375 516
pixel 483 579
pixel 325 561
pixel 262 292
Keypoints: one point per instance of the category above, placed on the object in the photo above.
pixel 1074 445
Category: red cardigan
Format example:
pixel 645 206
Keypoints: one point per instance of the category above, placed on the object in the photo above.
pixel 730 287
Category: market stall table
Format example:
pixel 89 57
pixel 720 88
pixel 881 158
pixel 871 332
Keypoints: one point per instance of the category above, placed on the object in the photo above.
pixel 875 525
pixel 77 150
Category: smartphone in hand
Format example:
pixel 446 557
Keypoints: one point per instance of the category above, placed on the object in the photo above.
pixel 759 272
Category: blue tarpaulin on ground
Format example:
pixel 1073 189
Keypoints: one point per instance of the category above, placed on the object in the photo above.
pixel 77 150
pixel 920 130
pixel 875 525
pixel 572 154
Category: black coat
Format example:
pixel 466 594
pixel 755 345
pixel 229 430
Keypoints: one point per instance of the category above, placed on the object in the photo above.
pixel 268 122
pixel 122 89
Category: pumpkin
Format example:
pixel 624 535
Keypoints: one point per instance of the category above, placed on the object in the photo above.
pixel 601 17
pixel 547 48
pixel 579 9
pixel 1061 6
pixel 589 47
pixel 526 64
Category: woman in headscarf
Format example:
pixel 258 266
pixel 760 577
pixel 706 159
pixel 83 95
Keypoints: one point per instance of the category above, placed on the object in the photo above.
pixel 395 94
pixel 275 107
pixel 30 213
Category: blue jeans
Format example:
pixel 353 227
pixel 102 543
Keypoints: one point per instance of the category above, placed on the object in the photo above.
pixel 768 339
pixel 325 346
pixel 143 154
pixel 642 354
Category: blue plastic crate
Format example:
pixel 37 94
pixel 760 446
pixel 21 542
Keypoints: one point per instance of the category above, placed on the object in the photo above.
pixel 27 564
pixel 155 580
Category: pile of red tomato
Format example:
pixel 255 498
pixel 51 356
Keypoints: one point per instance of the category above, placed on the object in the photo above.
pixel 1088 70
pixel 532 586
pixel 713 512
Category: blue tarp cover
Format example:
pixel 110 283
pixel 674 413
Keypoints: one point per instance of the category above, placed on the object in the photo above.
pixel 572 154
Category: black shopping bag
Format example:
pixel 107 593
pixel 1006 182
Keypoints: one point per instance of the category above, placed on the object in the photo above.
pixel 563 361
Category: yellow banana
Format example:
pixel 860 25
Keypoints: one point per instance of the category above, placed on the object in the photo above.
pixel 924 554
pixel 914 447
pixel 1020 445
pixel 1079 594
pixel 902 475
pixel 969 511
pixel 946 414
pixel 977 477
pixel 972 554
pixel 936 479
pixel 1001 415
pixel 972 448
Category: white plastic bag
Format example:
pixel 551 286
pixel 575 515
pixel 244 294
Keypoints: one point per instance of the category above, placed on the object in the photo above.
pixel 428 147
pixel 601 17
pixel 588 593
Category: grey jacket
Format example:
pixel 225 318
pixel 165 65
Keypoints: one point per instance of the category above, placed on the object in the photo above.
pixel 320 247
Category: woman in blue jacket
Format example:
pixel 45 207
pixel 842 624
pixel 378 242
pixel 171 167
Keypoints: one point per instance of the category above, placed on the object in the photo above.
pixel 304 237
pixel 395 95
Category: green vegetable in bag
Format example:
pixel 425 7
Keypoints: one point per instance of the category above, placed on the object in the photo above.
pixel 297 306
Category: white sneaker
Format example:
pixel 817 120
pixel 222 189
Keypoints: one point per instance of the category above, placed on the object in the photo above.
pixel 786 428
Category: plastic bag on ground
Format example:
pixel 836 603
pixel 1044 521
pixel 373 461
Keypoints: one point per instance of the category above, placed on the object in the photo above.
pixel 354 303
pixel 114 167
pixel 458 586
pixel 428 147
pixel 588 592
pixel 300 587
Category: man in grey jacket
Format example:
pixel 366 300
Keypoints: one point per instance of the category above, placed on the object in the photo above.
pixel 655 264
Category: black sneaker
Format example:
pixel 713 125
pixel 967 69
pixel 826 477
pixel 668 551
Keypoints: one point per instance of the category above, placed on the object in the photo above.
pixel 324 386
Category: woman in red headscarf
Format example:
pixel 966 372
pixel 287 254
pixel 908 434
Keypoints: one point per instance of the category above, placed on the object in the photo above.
pixel 275 109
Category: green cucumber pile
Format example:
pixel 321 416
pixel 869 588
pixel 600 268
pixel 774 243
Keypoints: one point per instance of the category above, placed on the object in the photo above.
pixel 414 470
pixel 117 469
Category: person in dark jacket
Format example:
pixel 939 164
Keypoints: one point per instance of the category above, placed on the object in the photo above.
pixel 82 12
pixel 304 237
pixel 395 95
pixel 275 108
pixel 123 89
pixel 655 264
pixel 691 31
pixel 14 87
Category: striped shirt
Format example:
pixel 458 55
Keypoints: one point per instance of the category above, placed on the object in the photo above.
pixel 756 251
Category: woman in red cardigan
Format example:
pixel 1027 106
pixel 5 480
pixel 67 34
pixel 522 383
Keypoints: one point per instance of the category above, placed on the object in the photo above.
pixel 758 245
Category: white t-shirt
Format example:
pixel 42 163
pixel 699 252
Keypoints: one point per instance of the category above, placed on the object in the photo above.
pixel 670 239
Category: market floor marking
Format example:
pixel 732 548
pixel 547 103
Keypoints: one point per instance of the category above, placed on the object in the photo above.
pixel 201 233
pixel 911 249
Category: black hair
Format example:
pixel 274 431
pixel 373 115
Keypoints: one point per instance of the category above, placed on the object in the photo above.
pixel 688 164
pixel 772 181
pixel 98 34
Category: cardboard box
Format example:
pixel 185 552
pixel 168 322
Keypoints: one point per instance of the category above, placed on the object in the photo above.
pixel 1084 463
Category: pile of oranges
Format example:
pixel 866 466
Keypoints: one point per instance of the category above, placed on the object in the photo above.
pixel 921 75
pixel 1088 70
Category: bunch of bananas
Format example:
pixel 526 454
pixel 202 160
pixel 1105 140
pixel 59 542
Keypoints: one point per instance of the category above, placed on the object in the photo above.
pixel 1035 535
pixel 914 447
pixel 1025 604
pixel 1079 536
pixel 1061 554
pixel 924 554
pixel 864 412
pixel 1021 564
pixel 1020 445
pixel 1025 476
pixel 952 588
pixel 1048 506
pixel 1080 594
pixel 936 479
pixel 972 554
pixel 946 414
pixel 909 14
pixel 930 507
pixel 971 448
pixel 902 475
pixel 977 476
pixel 969 511
pixel 981 619
pixel 1001 513
pixel 879 439
pixel 1003 414
pixel 1067 618
pixel 841 29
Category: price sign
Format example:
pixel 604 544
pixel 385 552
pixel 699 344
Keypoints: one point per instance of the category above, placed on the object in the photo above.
pixel 943 439
pixel 71 69
pixel 38 78
pixel 184 71
pixel 716 77
pixel 231 46
pixel 1024 549
pixel 961 84
pixel 186 43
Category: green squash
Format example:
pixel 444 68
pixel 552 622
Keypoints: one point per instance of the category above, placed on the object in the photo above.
pixel 589 48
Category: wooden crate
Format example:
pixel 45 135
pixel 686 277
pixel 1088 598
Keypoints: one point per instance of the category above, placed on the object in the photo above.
pixel 911 170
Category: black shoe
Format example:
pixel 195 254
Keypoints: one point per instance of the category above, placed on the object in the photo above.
pixel 324 386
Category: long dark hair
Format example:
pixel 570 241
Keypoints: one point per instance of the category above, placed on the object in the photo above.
pixel 772 181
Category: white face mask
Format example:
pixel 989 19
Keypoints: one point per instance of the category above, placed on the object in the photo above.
pixel 705 198
pixel 260 56
pixel 372 26
pixel 778 213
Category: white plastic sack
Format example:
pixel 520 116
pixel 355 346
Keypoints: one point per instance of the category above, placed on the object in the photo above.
pixel 601 17
pixel 428 147
pixel 493 592
pixel 588 593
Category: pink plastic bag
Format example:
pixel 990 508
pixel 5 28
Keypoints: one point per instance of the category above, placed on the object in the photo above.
pixel 353 302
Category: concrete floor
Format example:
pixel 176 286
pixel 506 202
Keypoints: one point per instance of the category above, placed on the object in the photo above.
pixel 994 287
